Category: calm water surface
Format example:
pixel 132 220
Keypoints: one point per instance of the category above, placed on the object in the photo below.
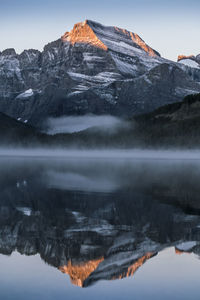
pixel 99 227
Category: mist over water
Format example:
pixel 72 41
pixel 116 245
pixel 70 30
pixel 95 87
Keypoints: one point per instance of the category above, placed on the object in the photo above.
pixel 105 170
pixel 71 124
pixel 102 154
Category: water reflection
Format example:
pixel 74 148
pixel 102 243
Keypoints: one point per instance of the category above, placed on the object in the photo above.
pixel 98 219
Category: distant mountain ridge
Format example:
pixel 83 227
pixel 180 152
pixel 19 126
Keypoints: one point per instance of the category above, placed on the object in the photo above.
pixel 91 69
pixel 191 60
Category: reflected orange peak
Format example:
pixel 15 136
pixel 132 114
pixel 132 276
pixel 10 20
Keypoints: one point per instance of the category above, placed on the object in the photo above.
pixel 80 272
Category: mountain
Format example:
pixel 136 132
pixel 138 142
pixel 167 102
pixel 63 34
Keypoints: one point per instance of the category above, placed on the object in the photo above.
pixel 190 61
pixel 91 69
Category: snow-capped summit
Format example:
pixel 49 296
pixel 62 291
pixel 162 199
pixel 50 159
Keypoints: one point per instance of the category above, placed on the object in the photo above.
pixel 107 37
pixel 190 61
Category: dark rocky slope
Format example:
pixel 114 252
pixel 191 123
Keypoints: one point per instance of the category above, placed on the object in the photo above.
pixel 175 124
pixel 13 132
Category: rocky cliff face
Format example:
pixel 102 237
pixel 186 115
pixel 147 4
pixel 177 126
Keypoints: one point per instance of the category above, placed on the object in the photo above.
pixel 91 69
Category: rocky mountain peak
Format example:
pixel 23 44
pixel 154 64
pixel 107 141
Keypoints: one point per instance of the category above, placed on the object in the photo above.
pixel 181 57
pixel 82 33
pixel 106 37
pixel 9 52
pixel 190 60
pixel 198 58
pixel 80 272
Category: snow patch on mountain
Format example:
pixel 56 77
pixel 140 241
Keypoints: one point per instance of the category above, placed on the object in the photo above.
pixel 28 93
pixel 98 79
pixel 91 57
pixel 181 90
pixel 190 63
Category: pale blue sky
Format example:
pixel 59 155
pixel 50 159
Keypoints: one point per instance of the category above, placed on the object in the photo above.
pixel 171 27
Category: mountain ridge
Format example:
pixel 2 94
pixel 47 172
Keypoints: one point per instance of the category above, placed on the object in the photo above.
pixel 190 60
pixel 94 33
pixel 119 78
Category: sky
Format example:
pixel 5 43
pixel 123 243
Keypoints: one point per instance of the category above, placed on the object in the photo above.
pixel 171 27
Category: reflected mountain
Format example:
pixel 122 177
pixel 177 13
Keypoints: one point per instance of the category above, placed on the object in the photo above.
pixel 98 219
pixel 80 272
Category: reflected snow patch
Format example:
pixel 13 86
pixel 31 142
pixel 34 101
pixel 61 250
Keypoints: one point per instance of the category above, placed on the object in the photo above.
pixel 25 211
pixel 79 182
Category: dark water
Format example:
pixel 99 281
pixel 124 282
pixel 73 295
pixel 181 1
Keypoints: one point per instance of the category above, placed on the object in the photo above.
pixel 94 228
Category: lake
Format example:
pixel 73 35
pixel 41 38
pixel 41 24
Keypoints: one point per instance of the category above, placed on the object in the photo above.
pixel 85 225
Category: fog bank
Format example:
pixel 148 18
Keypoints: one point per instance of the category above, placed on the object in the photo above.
pixel 102 154
pixel 75 124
